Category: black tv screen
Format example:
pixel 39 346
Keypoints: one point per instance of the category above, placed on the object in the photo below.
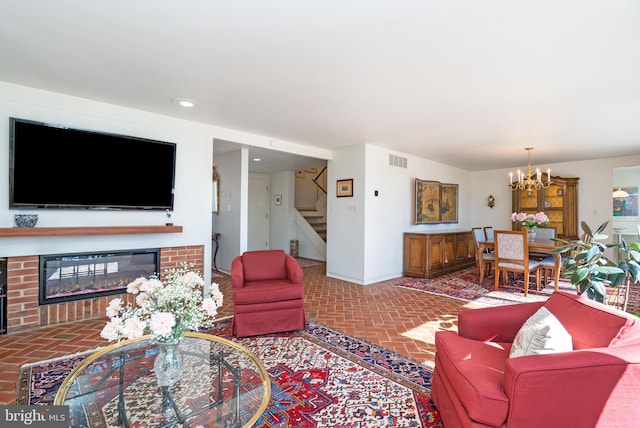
pixel 57 167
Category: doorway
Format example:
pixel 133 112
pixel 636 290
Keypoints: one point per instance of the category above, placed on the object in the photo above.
pixel 258 206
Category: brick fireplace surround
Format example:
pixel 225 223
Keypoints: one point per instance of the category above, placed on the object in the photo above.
pixel 25 313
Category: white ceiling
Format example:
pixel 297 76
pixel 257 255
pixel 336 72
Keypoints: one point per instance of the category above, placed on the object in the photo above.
pixel 469 83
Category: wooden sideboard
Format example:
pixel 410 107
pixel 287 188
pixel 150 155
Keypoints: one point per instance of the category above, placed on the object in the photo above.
pixel 427 255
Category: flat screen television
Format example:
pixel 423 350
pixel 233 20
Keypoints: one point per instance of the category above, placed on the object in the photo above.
pixel 53 166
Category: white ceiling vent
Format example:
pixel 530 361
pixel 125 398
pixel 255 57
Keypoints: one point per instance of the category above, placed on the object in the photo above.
pixel 398 161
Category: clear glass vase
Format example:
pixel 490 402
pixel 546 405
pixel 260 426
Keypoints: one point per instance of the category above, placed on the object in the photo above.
pixel 531 234
pixel 168 363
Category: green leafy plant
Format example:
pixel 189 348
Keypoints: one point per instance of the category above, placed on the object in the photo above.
pixel 591 271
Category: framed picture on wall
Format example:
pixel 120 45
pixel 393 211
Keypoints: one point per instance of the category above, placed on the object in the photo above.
pixel 435 202
pixel 449 203
pixel 628 206
pixel 427 199
pixel 344 188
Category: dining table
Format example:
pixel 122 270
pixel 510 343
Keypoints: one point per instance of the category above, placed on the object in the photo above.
pixel 538 245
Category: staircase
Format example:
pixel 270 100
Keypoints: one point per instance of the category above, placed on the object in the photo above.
pixel 316 216
pixel 316 220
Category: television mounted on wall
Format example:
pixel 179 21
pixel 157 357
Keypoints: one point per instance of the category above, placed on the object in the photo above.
pixel 52 166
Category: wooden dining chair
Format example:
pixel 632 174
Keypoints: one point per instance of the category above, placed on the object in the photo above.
pixel 484 259
pixel 546 232
pixel 512 255
pixel 547 269
pixel 547 263
pixel 488 233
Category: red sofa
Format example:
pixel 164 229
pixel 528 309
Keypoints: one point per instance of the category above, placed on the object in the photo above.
pixel 268 296
pixel 597 384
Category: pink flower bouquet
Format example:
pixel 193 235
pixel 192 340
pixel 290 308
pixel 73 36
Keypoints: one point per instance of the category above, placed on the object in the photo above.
pixel 531 221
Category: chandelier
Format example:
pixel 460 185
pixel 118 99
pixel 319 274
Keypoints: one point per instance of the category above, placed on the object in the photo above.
pixel 528 181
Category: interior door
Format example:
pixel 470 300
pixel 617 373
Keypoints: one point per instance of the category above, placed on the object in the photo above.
pixel 258 227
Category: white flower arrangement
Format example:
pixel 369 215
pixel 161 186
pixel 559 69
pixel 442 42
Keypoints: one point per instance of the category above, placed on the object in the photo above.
pixel 164 309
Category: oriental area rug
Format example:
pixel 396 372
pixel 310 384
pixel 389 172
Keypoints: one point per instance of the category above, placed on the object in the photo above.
pixel 320 377
pixel 464 285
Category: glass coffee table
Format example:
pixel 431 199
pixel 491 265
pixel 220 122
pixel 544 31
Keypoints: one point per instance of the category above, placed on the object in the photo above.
pixel 222 384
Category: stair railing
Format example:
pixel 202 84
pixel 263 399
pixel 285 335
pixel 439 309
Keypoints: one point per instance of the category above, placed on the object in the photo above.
pixel 321 180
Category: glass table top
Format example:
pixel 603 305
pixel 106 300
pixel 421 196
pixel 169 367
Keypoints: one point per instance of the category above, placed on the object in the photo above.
pixel 222 384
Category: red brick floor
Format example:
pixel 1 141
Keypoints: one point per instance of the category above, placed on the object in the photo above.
pixel 396 318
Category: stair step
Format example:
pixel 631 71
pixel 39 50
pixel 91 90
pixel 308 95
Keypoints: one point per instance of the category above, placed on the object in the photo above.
pixel 315 220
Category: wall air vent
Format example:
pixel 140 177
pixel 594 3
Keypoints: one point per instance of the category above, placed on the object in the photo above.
pixel 398 161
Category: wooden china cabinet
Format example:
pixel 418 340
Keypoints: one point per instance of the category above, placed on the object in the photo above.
pixel 559 202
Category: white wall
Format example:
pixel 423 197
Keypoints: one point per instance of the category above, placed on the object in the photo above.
pixel 364 242
pixel 379 222
pixel 387 215
pixel 282 229
pixel 595 186
pixel 306 191
pixel 483 184
pixel 345 216
pixel 193 194
pixel 259 217
pixel 228 221
pixel 192 186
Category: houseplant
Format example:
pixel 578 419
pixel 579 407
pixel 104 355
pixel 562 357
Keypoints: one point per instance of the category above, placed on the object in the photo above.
pixel 591 270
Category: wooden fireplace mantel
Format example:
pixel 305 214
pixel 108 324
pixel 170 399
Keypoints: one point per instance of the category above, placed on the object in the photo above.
pixel 7 232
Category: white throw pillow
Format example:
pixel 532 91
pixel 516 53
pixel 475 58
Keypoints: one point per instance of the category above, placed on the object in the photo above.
pixel 542 333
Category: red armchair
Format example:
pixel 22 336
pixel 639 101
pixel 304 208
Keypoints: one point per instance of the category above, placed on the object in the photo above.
pixel 476 384
pixel 268 296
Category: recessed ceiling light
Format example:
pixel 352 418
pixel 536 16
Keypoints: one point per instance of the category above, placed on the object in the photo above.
pixel 257 159
pixel 184 102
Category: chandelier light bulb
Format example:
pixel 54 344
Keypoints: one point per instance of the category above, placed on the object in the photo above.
pixel 528 181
